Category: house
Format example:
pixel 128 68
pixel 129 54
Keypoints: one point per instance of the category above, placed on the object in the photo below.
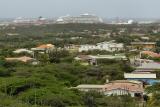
pixel 18 51
pixel 124 87
pixel 145 77
pixel 150 54
pixel 92 59
pixel 107 46
pixel 143 45
pixel 45 48
pixel 148 67
pixel 119 87
pixel 116 57
pixel 24 59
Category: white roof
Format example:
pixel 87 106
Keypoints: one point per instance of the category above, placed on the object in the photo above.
pixel 90 86
pixel 36 49
pixel 139 76
pixel 142 43
pixel 22 50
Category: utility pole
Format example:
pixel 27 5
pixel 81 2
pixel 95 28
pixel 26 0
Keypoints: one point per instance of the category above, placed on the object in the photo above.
pixel 35 98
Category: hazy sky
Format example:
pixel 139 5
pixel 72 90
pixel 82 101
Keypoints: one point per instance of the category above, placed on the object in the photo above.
pixel 103 8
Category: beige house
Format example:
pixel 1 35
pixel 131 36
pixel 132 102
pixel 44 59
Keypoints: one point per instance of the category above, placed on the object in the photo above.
pixel 44 47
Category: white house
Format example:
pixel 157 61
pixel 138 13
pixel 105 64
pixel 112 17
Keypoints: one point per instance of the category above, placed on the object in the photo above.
pixel 119 87
pixel 107 46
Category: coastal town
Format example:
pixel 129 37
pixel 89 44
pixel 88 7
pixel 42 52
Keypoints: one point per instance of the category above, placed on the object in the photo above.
pixel 134 83
pixel 79 53
pixel 79 57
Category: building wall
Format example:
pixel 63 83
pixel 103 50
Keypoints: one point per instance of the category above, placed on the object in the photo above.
pixel 119 92
pixel 112 92
pixel 89 89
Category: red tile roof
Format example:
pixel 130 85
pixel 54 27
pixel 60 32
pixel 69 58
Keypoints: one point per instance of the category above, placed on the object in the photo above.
pixel 45 46
pixel 130 86
pixel 151 54
pixel 124 86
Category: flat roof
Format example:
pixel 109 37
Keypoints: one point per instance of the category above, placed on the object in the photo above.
pixel 142 43
pixel 139 75
pixel 144 70
pixel 90 86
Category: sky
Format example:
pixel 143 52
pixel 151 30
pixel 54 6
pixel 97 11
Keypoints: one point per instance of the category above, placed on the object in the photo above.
pixel 103 8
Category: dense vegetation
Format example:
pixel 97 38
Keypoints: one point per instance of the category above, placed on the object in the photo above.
pixel 59 34
pixel 49 83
